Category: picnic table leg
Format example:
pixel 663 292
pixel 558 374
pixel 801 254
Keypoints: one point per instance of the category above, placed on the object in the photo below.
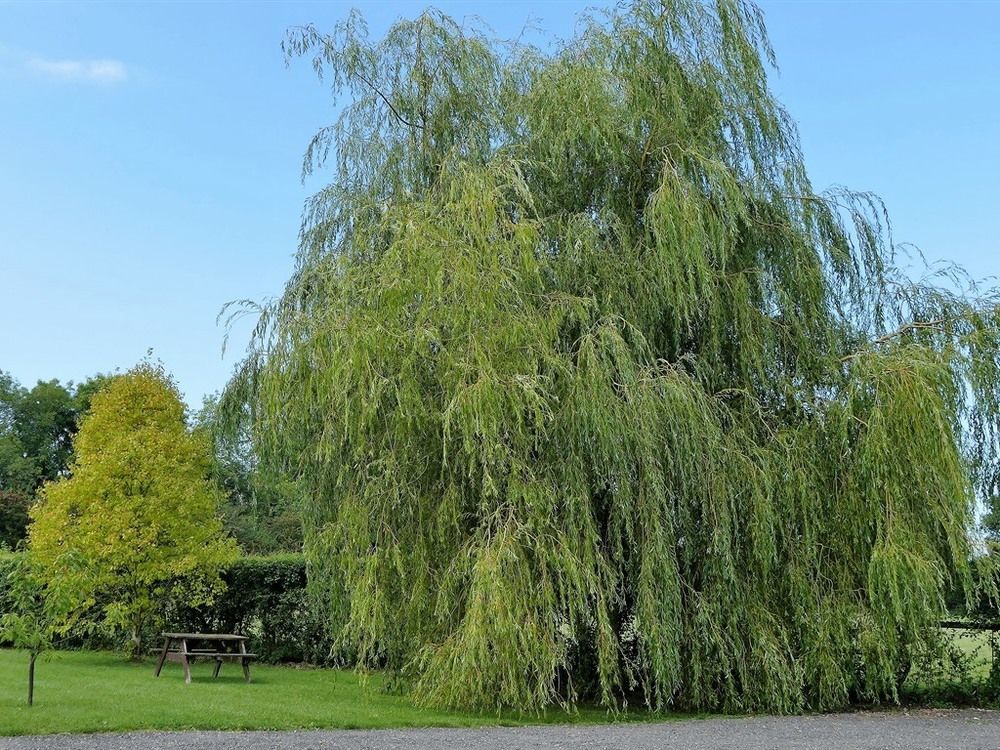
pixel 163 657
pixel 185 662
pixel 218 666
pixel 244 661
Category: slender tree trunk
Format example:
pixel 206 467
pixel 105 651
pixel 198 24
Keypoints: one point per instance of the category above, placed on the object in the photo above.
pixel 31 677
pixel 137 622
pixel 136 643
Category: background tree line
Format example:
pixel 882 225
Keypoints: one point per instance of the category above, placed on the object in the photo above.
pixel 37 427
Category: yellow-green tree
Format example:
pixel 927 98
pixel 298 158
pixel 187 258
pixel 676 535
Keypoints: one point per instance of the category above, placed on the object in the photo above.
pixel 138 514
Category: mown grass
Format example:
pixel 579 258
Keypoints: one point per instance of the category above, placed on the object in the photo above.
pixel 972 646
pixel 84 691
pixel 975 646
pixel 961 676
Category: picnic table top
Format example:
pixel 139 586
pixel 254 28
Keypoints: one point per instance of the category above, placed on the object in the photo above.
pixel 205 636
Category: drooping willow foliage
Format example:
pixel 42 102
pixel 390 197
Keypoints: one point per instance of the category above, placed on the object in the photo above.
pixel 594 396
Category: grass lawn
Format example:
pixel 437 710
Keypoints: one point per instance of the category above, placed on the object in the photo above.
pixel 84 691
pixel 87 691
pixel 975 645
pixel 972 644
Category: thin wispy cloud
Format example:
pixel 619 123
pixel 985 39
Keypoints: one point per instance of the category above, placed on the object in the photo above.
pixel 79 71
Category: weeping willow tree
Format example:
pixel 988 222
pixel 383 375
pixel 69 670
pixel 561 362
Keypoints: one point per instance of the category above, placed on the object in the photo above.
pixel 594 396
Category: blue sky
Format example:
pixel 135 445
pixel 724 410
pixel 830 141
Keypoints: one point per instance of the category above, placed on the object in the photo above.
pixel 150 155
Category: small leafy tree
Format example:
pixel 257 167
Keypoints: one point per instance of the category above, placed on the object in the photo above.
pixel 138 510
pixel 39 615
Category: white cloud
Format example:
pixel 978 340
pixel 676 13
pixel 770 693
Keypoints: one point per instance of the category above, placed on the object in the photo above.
pixel 83 71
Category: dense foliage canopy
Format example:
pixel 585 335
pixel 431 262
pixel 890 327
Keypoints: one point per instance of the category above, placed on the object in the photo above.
pixel 137 515
pixel 260 511
pixel 37 426
pixel 593 393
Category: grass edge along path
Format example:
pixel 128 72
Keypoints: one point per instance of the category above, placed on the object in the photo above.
pixel 87 691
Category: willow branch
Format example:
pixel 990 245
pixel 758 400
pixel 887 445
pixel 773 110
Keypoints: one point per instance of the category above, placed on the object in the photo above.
pixel 388 103
pixel 938 324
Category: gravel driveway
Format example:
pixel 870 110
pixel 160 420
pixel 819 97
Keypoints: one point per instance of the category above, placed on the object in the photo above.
pixel 914 730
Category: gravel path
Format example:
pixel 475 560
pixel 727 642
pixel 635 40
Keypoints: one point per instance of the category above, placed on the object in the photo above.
pixel 913 730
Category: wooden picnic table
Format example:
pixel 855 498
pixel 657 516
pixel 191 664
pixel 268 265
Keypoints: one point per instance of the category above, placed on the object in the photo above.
pixel 221 647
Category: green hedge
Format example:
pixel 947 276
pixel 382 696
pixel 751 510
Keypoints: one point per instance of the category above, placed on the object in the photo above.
pixel 265 599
